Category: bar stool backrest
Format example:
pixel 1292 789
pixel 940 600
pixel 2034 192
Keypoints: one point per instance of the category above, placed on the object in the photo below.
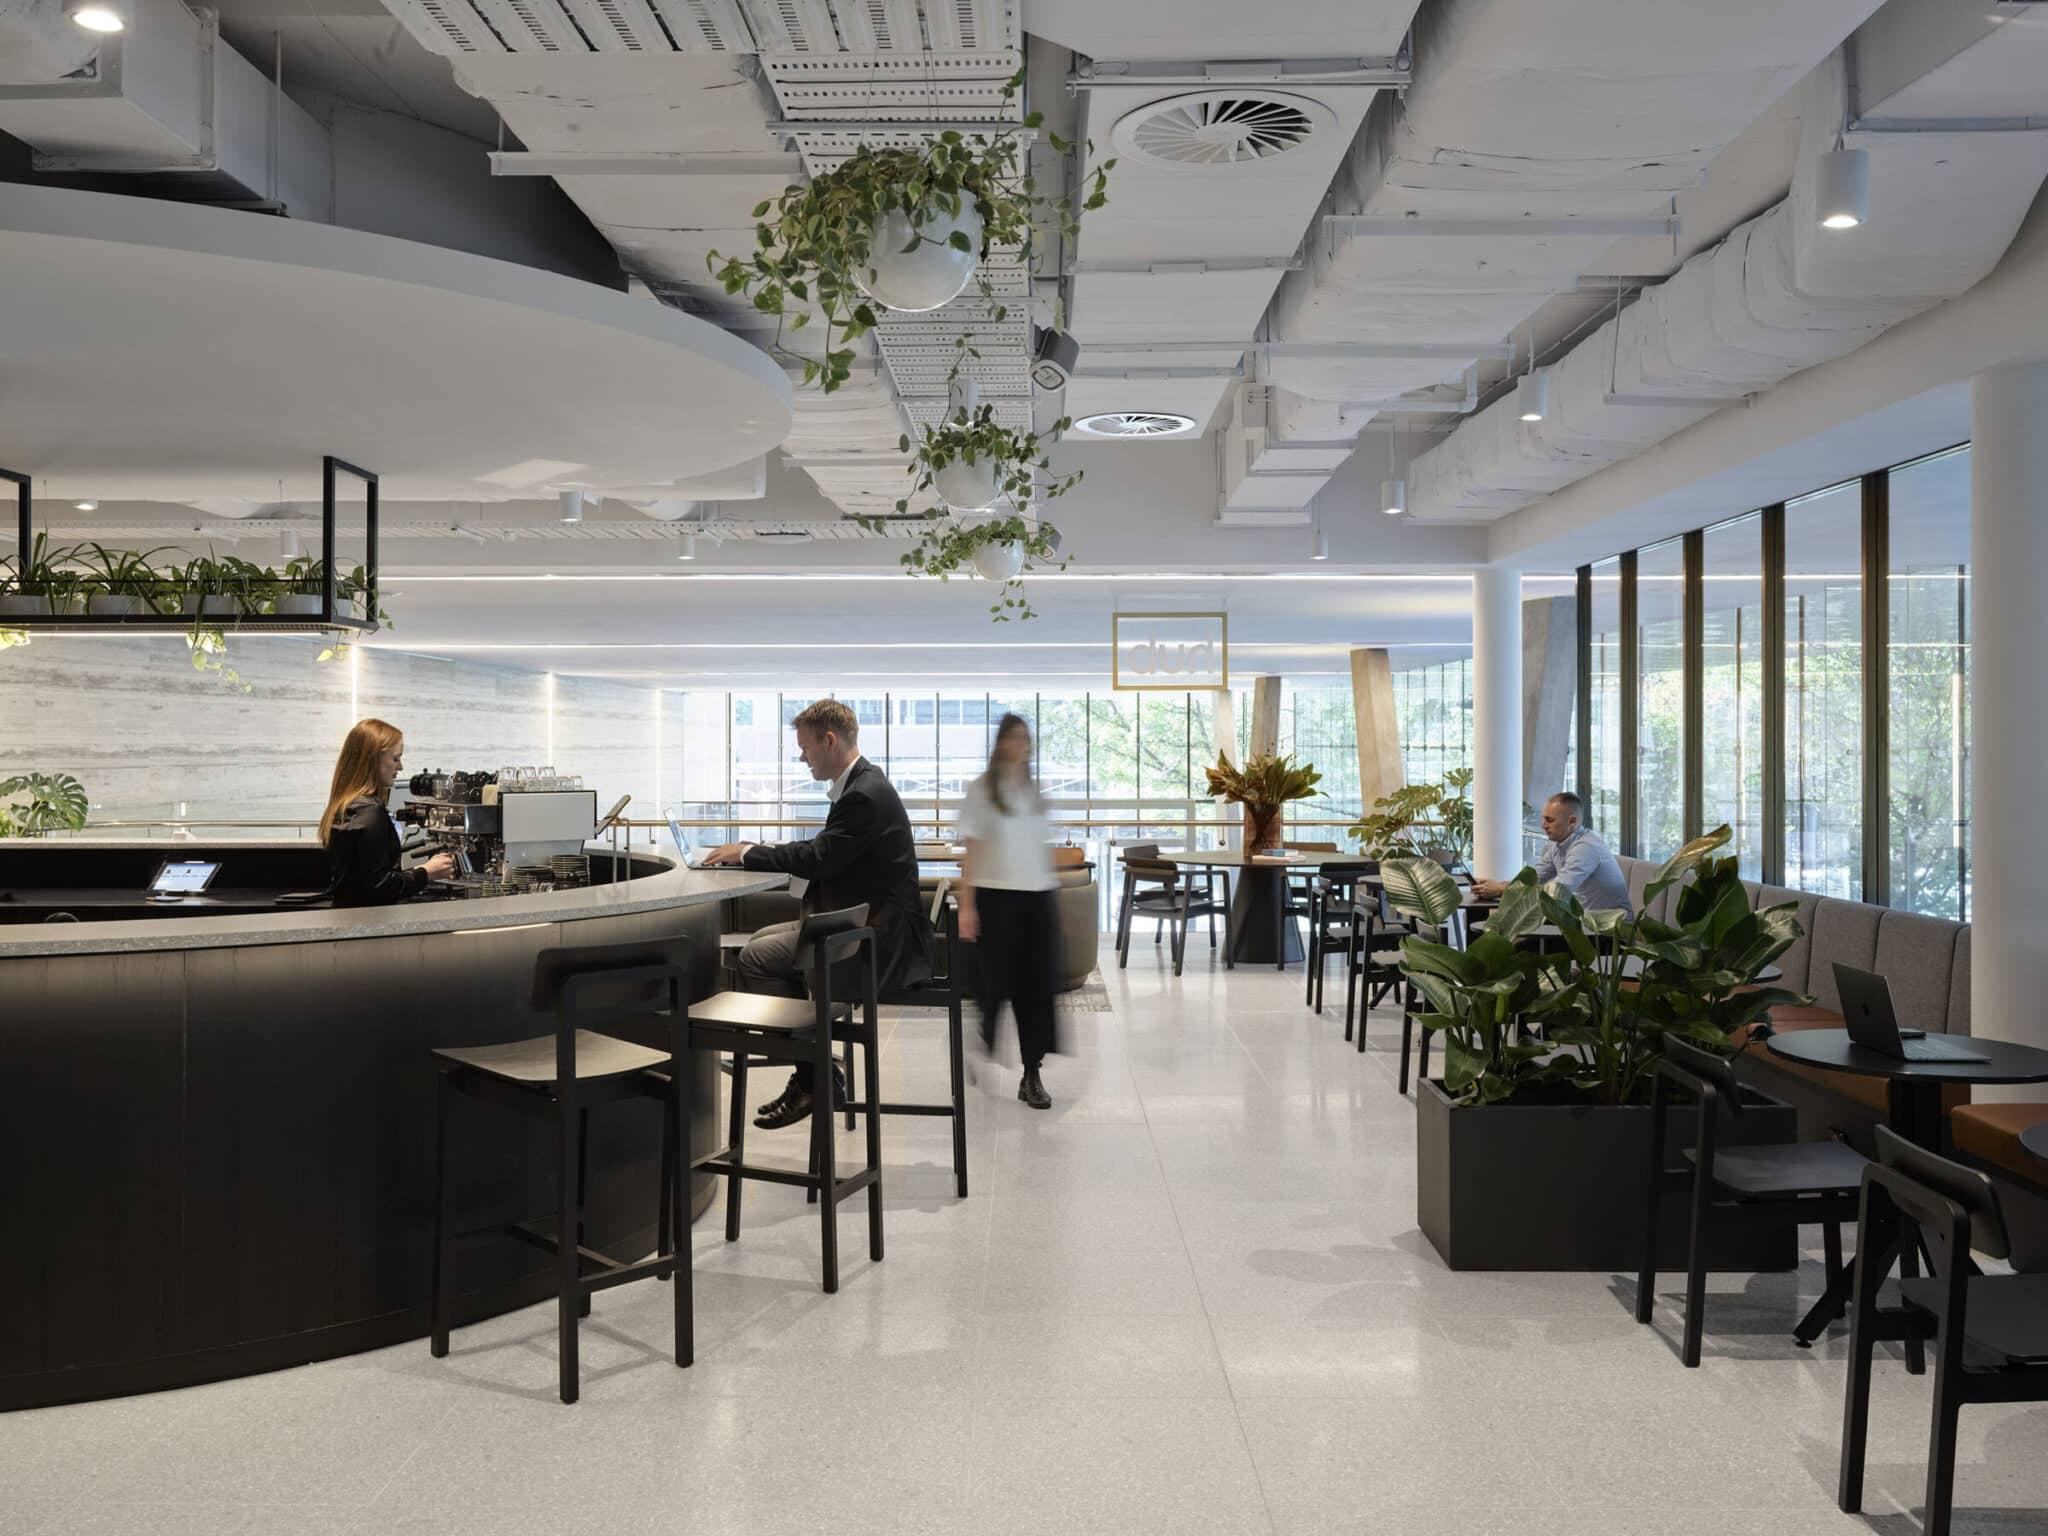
pixel 819 927
pixel 1935 1179
pixel 625 990
pixel 1696 1070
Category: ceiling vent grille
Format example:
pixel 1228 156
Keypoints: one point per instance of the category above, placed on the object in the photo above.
pixel 1208 128
pixel 1135 424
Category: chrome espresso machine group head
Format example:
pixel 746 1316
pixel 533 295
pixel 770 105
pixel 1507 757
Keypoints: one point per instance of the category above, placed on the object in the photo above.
pixel 516 829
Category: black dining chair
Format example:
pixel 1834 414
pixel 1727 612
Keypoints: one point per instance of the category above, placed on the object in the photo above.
pixel 1336 926
pixel 1173 897
pixel 1989 1332
pixel 1805 1184
pixel 1452 933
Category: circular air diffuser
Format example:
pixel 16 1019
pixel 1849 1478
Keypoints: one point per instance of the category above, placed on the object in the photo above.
pixel 1135 424
pixel 1220 128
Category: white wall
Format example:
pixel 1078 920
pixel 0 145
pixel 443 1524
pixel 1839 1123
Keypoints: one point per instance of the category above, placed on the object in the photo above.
pixel 146 733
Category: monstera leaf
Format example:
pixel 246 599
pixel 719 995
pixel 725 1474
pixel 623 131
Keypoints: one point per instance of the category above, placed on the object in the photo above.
pixel 54 800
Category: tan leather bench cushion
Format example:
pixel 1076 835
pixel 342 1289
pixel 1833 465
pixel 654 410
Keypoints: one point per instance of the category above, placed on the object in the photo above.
pixel 1991 1134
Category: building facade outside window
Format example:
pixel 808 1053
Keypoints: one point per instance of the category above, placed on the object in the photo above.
pixel 1660 728
pixel 1824 692
pixel 1732 687
pixel 1603 813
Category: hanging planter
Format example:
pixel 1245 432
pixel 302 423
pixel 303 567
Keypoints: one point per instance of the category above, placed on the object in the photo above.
pixel 996 549
pixel 915 269
pixel 967 485
pixel 1000 561
pixel 905 228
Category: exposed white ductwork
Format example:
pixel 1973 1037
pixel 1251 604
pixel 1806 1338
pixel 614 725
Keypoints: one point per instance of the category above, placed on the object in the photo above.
pixel 1953 169
pixel 164 95
pixel 1536 133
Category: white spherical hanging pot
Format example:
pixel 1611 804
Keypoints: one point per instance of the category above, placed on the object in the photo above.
pixel 967 486
pixel 934 272
pixel 1000 562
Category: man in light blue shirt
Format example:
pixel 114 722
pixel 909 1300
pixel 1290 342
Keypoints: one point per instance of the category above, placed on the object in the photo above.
pixel 1576 858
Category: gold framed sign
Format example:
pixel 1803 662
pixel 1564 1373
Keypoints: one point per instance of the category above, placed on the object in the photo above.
pixel 1152 652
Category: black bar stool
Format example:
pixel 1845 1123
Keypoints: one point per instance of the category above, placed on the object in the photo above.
pixel 612 1004
pixel 752 1026
pixel 940 990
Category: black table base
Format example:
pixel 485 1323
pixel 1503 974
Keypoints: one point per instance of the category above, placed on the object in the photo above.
pixel 1261 932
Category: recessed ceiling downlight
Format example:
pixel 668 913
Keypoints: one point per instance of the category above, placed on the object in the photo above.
pixel 1135 424
pixel 97 18
pixel 1224 127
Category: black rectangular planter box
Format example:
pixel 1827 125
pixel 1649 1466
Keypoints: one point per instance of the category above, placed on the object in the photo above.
pixel 1557 1186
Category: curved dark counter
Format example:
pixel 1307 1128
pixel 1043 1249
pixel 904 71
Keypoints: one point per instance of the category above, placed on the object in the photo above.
pixel 218 1136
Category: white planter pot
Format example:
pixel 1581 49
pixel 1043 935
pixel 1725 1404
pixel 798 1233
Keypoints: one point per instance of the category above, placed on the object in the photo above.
pixel 934 273
pixel 108 605
pixel 218 605
pixel 999 562
pixel 967 487
pixel 67 607
pixel 24 605
pixel 299 605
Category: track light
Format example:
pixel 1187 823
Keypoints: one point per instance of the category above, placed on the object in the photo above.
pixel 1843 188
pixel 689 549
pixel 1394 497
pixel 572 506
pixel 97 18
pixel 1319 546
pixel 1532 396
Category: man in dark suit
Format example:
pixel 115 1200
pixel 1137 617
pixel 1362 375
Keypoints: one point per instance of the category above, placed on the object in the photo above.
pixel 863 856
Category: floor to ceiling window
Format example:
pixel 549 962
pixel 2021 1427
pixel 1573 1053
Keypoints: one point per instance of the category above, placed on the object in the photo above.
pixel 1603 703
pixel 1732 686
pixel 1660 727
pixel 1824 692
pixel 1929 701
pixel 1433 704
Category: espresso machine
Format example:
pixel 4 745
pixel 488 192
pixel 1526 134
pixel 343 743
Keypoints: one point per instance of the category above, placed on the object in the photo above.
pixel 509 832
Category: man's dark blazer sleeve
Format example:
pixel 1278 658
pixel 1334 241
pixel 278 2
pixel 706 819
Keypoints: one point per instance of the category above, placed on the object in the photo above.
pixel 840 842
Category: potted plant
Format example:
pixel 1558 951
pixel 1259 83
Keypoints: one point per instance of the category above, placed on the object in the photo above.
pixel 354 593
pixel 903 227
pixel 299 590
pixel 121 583
pixel 997 548
pixel 217 587
pixel 1418 819
pixel 53 801
pixel 1263 788
pixel 42 583
pixel 971 462
pixel 1532 1153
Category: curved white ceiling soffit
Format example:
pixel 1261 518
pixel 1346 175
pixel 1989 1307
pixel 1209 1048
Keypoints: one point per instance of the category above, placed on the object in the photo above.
pixel 180 353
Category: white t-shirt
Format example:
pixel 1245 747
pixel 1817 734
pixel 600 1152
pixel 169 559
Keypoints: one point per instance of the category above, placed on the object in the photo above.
pixel 1012 851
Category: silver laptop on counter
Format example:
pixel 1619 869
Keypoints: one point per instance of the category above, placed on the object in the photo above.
pixel 1867 1010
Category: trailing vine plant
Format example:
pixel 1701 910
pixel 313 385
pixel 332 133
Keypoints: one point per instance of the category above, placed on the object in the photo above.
pixel 814 242
pixel 949 547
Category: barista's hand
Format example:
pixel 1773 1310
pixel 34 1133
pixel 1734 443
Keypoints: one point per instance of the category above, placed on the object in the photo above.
pixel 440 867
pixel 727 853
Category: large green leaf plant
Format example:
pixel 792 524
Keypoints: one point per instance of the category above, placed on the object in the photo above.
pixel 34 803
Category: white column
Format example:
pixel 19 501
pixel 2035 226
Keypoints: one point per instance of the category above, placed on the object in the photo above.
pixel 1496 723
pixel 2008 721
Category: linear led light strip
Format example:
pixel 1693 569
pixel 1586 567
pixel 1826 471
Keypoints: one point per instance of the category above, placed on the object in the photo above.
pixel 1102 576
pixel 411 644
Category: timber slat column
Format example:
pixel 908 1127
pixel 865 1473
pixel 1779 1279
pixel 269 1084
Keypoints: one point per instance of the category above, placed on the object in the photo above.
pixel 2008 713
pixel 1497 763
pixel 1379 728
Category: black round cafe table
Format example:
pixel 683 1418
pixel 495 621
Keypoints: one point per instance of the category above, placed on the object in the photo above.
pixel 1261 932
pixel 1914 1109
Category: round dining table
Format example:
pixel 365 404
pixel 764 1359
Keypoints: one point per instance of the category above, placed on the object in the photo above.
pixel 1261 931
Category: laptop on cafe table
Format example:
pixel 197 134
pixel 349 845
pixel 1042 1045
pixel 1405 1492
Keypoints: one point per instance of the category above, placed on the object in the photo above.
pixel 1873 1025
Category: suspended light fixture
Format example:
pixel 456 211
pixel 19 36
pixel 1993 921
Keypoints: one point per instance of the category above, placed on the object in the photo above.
pixel 1394 489
pixel 97 18
pixel 689 549
pixel 1532 390
pixel 572 506
pixel 1842 188
pixel 1319 546
pixel 293 547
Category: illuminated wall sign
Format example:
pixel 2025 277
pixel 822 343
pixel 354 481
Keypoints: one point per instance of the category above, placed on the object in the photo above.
pixel 1174 651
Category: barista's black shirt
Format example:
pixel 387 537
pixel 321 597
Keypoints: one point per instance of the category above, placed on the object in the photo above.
pixel 362 858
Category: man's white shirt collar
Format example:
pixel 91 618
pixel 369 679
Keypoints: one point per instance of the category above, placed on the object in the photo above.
pixel 839 784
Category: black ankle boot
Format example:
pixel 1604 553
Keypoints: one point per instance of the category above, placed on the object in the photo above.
pixel 1032 1091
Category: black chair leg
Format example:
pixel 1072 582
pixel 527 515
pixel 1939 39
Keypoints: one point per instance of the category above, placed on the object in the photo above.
pixel 568 1263
pixel 1407 1032
pixel 1831 1246
pixel 823 1169
pixel 1229 933
pixel 675 1214
pixel 1941 1439
pixel 443 1102
pixel 1695 1264
pixel 1856 1396
pixel 957 1051
pixel 736 1145
pixel 852 1084
pixel 582 1195
pixel 1909 1269
pixel 871 1045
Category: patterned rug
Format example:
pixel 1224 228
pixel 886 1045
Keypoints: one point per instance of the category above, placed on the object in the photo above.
pixel 1092 996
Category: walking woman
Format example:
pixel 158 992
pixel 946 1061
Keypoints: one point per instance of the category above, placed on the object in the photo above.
pixel 1007 901
pixel 362 841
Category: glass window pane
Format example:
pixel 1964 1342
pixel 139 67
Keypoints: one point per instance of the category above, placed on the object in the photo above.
pixel 1063 747
pixel 1660 708
pixel 803 797
pixel 1604 814
pixel 1325 735
pixel 1732 676
pixel 756 767
pixel 1930 686
pixel 1163 772
pixel 1824 692
pixel 914 750
pixel 963 743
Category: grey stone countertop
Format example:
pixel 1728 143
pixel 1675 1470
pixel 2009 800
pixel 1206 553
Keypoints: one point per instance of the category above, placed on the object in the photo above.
pixel 675 886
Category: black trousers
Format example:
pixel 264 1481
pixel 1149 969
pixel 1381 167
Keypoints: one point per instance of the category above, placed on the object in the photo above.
pixel 1018 961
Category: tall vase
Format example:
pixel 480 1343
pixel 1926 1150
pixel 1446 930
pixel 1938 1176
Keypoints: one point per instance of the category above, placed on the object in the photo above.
pixel 1264 829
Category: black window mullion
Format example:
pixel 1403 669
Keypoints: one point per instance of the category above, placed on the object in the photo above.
pixel 1631 667
pixel 1585 685
pixel 1692 685
pixel 1773 852
pixel 1877 732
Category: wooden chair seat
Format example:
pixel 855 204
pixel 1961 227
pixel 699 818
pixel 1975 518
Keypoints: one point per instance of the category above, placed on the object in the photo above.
pixel 533 1061
pixel 756 1011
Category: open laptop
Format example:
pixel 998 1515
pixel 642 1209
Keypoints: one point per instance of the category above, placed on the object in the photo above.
pixel 1867 1010
pixel 692 855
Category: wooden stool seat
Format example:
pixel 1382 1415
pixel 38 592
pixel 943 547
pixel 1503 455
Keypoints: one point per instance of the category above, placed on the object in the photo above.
pixel 532 1061
pixel 761 1012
